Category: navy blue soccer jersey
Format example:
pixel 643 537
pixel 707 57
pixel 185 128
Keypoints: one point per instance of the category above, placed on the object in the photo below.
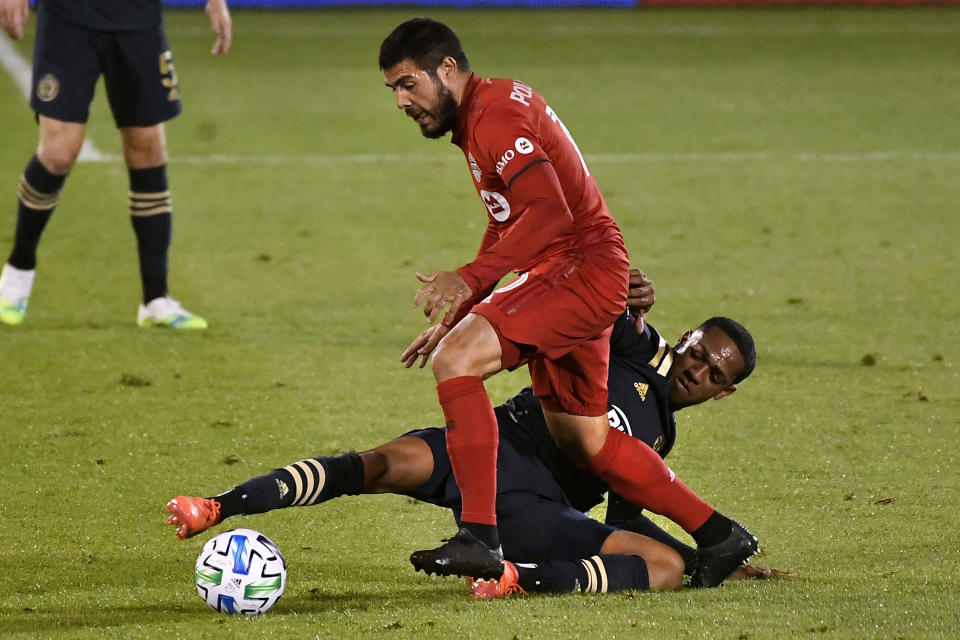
pixel 107 15
pixel 637 383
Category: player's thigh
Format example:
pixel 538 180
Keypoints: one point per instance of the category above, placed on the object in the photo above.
pixel 558 304
pixel 535 529
pixel 66 67
pixel 141 78
pixel 575 383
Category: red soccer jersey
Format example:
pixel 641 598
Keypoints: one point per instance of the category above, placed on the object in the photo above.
pixel 504 128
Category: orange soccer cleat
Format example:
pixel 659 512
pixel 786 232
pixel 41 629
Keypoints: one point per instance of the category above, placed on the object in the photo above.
pixel 192 515
pixel 505 586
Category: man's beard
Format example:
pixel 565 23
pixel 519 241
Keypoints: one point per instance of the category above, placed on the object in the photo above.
pixel 444 113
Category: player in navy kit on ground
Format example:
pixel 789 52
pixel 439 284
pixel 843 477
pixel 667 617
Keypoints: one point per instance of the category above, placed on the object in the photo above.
pixel 78 41
pixel 542 495
pixel 548 222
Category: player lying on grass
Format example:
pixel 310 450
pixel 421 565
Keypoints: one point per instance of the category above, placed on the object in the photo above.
pixel 542 495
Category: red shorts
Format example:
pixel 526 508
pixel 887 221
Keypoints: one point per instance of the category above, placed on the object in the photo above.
pixel 556 318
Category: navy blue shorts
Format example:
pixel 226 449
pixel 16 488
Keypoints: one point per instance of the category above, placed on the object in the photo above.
pixel 137 68
pixel 534 520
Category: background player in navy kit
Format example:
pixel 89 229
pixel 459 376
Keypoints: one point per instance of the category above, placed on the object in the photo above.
pixel 548 222
pixel 77 41
pixel 541 494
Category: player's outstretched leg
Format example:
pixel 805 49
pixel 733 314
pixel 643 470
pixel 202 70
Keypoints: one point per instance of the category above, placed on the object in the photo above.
pixel 303 483
pixel 462 555
pixel 715 563
pixel 192 515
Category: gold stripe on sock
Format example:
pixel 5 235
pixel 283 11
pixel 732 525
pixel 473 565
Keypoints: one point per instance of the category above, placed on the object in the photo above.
pixel 321 481
pixel 294 471
pixel 148 195
pixel 307 490
pixel 150 204
pixel 34 199
pixel 591 586
pixel 601 572
pixel 151 211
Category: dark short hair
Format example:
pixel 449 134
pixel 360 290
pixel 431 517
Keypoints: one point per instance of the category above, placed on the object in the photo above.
pixel 424 41
pixel 741 337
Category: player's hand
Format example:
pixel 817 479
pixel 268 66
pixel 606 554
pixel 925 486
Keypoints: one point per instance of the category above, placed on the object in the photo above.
pixel 640 296
pixel 757 573
pixel 220 22
pixel 441 289
pixel 424 345
pixel 13 17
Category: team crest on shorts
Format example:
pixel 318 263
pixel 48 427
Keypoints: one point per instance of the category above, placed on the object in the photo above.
pixel 48 88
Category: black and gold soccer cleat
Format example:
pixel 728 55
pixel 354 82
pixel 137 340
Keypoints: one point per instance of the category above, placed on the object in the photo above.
pixel 715 563
pixel 461 555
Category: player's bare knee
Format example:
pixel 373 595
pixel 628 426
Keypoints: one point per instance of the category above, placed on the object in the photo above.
pixel 665 571
pixel 144 147
pixel 573 446
pixel 375 466
pixel 580 444
pixel 57 159
pixel 450 361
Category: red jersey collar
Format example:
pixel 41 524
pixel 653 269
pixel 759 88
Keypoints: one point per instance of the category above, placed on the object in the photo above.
pixel 468 95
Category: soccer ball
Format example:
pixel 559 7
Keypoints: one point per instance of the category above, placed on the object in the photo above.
pixel 241 571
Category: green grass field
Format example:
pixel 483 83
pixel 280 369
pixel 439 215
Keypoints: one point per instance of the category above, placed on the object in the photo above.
pixel 798 170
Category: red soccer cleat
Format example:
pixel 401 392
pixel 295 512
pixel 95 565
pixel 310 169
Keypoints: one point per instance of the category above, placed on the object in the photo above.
pixel 505 586
pixel 192 515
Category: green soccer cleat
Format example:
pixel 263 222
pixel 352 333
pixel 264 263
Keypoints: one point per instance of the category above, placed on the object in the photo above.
pixel 15 286
pixel 167 313
pixel 12 312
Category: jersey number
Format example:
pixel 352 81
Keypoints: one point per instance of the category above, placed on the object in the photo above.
pixel 169 76
pixel 566 132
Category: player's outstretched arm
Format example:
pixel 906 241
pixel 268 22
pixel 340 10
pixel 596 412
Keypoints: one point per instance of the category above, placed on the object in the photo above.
pixel 13 17
pixel 221 24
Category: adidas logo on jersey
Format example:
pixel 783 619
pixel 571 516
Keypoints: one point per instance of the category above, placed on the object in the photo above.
pixel 282 488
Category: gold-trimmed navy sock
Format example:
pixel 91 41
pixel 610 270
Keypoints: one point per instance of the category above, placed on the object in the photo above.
pixel 151 213
pixel 37 196
pixel 596 574
pixel 299 484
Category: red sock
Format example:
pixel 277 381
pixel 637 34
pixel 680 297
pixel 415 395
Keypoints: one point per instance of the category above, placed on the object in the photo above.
pixel 472 439
pixel 637 473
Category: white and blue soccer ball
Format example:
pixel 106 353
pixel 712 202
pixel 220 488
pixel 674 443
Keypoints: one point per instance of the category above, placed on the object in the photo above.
pixel 241 571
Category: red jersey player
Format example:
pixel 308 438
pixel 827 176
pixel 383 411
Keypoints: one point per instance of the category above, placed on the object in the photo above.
pixel 548 222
